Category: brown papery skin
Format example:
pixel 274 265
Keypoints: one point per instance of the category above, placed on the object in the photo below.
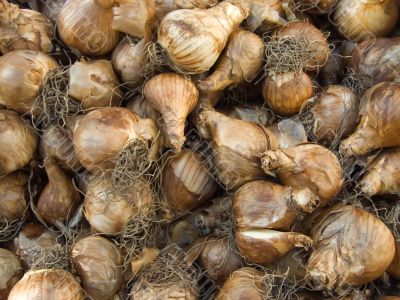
pixel 289 132
pixel 376 59
pixel 285 93
pixel 318 44
pixel 194 39
pixel 18 142
pixel 263 204
pixel 94 131
pixel 249 112
pixel 33 239
pixel 13 196
pixel 320 7
pixel 362 20
pixel 165 6
pixel 237 148
pixel 94 84
pixel 219 259
pixel 10 272
pixel 334 70
pixel 59 199
pixel 265 14
pixel 24 29
pixel 394 268
pixel 383 174
pixel 379 125
pixel 186 181
pixel 167 291
pixel 175 97
pixel 85 25
pixel 307 165
pixel 244 284
pixel 99 262
pixel 241 62
pixel 334 114
pixel 347 241
pixel 22 73
pixel 47 284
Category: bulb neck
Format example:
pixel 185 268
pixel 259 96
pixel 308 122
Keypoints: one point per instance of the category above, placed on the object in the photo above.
pixel 278 160
pixel 305 200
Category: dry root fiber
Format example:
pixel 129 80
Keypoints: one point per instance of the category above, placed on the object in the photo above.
pixel 55 257
pixel 357 82
pixel 9 229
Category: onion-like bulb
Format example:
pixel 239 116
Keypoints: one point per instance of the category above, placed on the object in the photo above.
pixel 18 142
pixel 318 7
pixel 99 262
pixel 129 60
pixel 175 97
pixel 93 132
pixel 194 38
pixel 263 204
pixel 250 112
pixel 94 84
pixel 289 132
pixel 186 181
pixel 165 6
pixel 245 283
pixel 264 246
pixel 110 214
pixel 241 62
pixel 56 143
pixel 47 284
pixel 86 26
pixel 346 242
pixel 265 14
pixel 333 115
pixel 376 60
pixel 285 93
pixel 140 106
pixel 379 126
pixel 383 174
pixel 22 73
pixel 13 196
pixel 394 268
pixel 59 199
pixel 10 272
pixel 24 29
pixel 307 165
pixel 366 19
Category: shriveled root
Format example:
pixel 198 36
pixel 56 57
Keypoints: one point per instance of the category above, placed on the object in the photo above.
pixel 280 286
pixel 53 106
pixel 9 229
pixel 391 217
pixel 357 82
pixel 55 257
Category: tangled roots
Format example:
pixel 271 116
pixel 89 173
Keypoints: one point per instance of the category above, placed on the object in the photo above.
pixel 55 257
pixel 357 82
pixel 391 217
pixel 53 106
pixel 9 229
pixel 280 286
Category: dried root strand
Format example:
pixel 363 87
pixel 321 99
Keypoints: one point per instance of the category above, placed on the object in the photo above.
pixel 55 257
pixel 9 229
pixel 280 286
pixel 391 217
pixel 357 82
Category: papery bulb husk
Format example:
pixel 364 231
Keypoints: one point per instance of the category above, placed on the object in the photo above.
pixel 265 14
pixel 382 174
pixel 219 258
pixel 129 60
pixel 142 107
pixel 10 272
pixel 59 198
pixel 334 69
pixel 13 196
pixel 390 298
pixel 318 7
pixel 307 165
pixel 18 142
pixel 98 261
pixel 264 246
pixel 194 39
pixel 167 291
pixel 245 283
pixel 135 17
pixel 33 240
pixel 22 74
pixel 86 27
pixel 289 132
pixel 333 115
pixel 362 20
pixel 292 265
pixel 251 113
pixel 394 268
pixel 237 148
pixel 51 9
pixel 346 242
pixel 379 125
pixel 94 84
pixel 56 143
pixel 240 63
pixel 263 204
pixel 108 213
pixel 285 93
pixel 47 283
pixel 186 181
pixel 165 6
pixel 24 29
pixel 94 131
pixel 144 259
pixel 376 60
pixel 175 97
pixel 297 46
pixel 182 233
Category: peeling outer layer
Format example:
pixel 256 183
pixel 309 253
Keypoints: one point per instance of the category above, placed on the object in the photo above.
pixel 265 14
pixel 383 174
pixel 379 125
pixel 394 268
pixel 347 240
pixel 306 165
pixel 10 272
